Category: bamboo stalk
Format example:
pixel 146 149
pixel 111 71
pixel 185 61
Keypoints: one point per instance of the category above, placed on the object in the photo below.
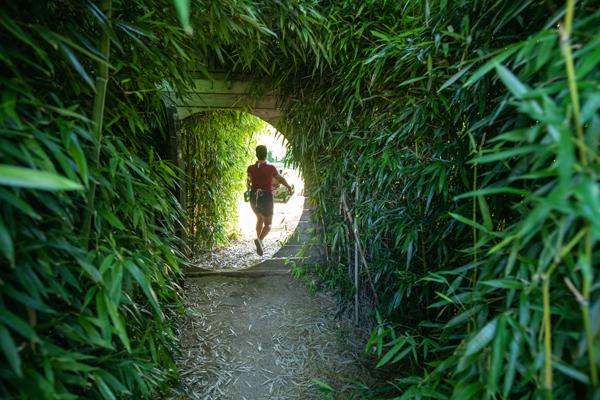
pixel 98 118
pixel 361 251
pixel 565 43
pixel 546 318
pixel 356 263
pixel 349 258
pixel 547 337
pixel 182 153
pixel 585 311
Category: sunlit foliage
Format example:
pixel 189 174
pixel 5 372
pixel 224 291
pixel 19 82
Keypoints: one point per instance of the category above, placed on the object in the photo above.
pixel 216 148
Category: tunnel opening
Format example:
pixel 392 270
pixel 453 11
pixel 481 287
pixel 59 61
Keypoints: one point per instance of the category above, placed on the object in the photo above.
pixel 216 149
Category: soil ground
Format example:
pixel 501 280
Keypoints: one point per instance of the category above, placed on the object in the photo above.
pixel 241 253
pixel 265 337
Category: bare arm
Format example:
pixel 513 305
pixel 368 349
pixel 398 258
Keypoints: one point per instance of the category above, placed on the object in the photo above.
pixel 248 182
pixel 282 180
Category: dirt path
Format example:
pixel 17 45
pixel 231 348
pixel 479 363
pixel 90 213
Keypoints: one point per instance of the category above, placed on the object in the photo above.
pixel 265 337
pixel 241 253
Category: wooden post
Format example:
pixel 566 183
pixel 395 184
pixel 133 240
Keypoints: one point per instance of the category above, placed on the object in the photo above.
pixel 171 129
pixel 177 152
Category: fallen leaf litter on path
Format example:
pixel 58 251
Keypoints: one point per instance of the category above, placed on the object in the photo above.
pixel 241 253
pixel 264 338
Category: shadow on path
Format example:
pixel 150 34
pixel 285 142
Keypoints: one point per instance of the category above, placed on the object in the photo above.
pixel 259 334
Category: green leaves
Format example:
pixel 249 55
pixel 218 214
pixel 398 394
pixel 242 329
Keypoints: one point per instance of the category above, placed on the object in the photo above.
pixel 9 348
pixel 474 224
pixel 478 342
pixel 18 325
pixel 217 149
pixel 507 154
pixel 454 78
pixel 183 12
pixel 33 179
pixel 323 386
pixel 513 84
pixel 116 319
pixel 473 193
pixel 466 198
pixel 72 321
pixel 6 243
pixel 77 65
pixel 145 285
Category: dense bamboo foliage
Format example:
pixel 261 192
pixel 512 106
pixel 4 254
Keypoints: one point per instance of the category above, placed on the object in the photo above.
pixel 464 138
pixel 216 148
pixel 457 140
pixel 84 308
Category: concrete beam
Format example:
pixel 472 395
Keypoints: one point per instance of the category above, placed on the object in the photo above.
pixel 220 93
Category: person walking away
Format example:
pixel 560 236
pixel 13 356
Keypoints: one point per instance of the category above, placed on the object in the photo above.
pixel 260 184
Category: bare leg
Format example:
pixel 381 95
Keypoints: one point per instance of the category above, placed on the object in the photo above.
pixel 266 228
pixel 260 219
pixel 259 224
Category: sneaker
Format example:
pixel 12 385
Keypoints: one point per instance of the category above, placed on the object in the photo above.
pixel 259 246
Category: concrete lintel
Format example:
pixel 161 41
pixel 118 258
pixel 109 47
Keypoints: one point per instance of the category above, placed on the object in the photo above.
pixel 223 93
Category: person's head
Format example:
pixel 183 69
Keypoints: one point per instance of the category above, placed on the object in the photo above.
pixel 261 152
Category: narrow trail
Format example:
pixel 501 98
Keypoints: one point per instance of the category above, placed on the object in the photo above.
pixel 257 333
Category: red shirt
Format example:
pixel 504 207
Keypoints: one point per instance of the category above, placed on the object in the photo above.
pixel 261 174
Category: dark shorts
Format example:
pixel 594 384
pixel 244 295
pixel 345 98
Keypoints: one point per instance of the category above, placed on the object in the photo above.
pixel 262 203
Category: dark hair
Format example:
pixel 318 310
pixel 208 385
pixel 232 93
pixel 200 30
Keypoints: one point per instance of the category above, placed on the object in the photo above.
pixel 261 152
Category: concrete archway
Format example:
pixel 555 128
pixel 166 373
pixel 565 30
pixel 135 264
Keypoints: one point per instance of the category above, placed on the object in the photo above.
pixel 220 91
pixel 215 91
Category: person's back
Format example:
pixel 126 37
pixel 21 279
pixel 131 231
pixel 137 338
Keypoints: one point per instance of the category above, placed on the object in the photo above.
pixel 261 174
pixel 260 184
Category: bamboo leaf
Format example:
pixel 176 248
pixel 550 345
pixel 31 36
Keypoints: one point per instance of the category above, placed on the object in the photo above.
pixel 323 387
pixel 18 203
pixel 112 219
pixel 105 391
pixel 491 191
pixel 463 317
pixel 9 348
pixel 183 11
pixel 510 284
pixel 481 339
pixel 490 65
pixel 397 346
pixel 6 243
pixel 566 157
pixel 77 65
pixel 78 155
pixel 117 321
pixel 485 212
pixel 32 179
pixel 498 352
pixel 506 154
pixel 145 285
pixel 454 78
pixel 473 224
pixel 15 323
pixel 513 83
pixel 571 372
pixel 90 270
